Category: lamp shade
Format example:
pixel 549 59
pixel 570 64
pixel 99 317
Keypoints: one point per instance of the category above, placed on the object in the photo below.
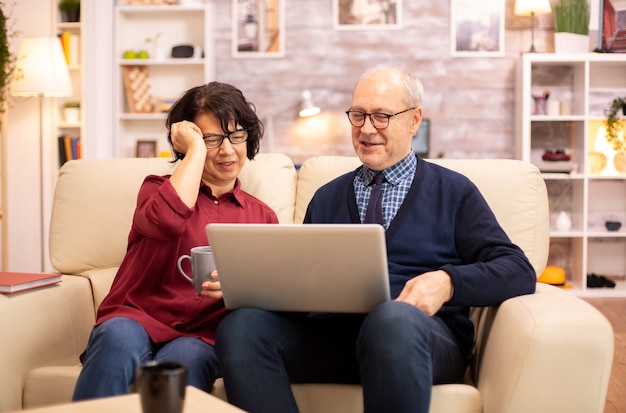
pixel 41 69
pixel 529 7
pixel 308 108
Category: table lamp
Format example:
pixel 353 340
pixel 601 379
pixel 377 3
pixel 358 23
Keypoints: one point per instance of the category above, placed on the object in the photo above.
pixel 532 8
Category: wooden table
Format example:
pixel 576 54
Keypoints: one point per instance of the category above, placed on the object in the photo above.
pixel 196 401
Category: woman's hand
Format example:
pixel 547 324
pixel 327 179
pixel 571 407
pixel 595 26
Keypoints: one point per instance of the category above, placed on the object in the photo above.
pixel 187 139
pixel 186 135
pixel 212 289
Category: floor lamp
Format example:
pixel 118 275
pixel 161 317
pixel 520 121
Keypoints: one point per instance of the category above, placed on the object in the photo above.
pixel 41 71
pixel 532 8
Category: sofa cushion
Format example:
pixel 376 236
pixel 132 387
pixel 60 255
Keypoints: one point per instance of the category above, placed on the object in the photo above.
pixel 89 227
pixel 271 177
pixel 93 206
pixel 315 172
pixel 53 385
pixel 50 385
pixel 523 213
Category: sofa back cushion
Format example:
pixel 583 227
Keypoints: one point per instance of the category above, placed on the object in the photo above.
pixel 94 201
pixel 514 189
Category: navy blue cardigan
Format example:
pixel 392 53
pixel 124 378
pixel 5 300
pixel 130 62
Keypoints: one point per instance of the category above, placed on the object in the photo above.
pixel 444 223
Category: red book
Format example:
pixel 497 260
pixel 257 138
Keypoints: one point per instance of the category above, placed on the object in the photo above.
pixel 12 282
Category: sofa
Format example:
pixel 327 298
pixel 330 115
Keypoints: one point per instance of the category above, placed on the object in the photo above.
pixel 546 352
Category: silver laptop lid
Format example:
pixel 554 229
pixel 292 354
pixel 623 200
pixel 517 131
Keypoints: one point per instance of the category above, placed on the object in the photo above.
pixel 313 267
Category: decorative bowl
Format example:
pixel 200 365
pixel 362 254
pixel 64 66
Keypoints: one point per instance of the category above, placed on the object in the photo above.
pixel 613 225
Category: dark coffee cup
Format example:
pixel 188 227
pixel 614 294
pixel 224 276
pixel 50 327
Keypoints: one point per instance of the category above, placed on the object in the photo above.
pixel 161 386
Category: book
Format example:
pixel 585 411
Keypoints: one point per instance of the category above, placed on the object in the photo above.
pixel 12 282
pixel 65 45
pixel 62 156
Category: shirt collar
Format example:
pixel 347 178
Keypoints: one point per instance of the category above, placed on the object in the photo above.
pixel 394 174
pixel 236 194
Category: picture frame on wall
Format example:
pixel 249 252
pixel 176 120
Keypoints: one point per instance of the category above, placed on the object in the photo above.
pixel 477 28
pixel 259 28
pixel 367 14
pixel 612 26
pixel 146 149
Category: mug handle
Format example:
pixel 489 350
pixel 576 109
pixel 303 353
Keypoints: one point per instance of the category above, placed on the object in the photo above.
pixel 180 268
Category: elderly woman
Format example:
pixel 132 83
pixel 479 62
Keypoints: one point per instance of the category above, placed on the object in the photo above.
pixel 152 312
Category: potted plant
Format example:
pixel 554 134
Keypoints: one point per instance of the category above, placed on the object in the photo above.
pixel 71 111
pixel 571 25
pixel 70 10
pixel 614 124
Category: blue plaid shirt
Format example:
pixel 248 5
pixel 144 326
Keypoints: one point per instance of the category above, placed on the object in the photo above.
pixel 399 178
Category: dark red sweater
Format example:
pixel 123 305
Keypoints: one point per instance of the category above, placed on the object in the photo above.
pixel 148 287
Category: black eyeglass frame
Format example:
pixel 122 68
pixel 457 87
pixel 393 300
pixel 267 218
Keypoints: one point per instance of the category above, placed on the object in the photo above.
pixel 224 136
pixel 388 116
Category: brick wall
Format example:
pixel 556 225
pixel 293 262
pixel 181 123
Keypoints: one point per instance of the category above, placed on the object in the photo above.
pixel 468 99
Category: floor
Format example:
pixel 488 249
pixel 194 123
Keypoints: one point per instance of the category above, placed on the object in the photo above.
pixel 615 310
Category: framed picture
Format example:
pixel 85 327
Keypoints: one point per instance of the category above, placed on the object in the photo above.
pixel 367 14
pixel 146 149
pixel 477 28
pixel 612 27
pixel 258 28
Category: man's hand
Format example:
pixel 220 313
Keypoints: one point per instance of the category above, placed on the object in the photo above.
pixel 212 289
pixel 428 291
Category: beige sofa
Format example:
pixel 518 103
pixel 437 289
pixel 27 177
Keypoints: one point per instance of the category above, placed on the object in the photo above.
pixel 547 352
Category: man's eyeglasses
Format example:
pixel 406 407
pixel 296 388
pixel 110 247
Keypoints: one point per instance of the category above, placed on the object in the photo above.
pixel 379 120
pixel 213 141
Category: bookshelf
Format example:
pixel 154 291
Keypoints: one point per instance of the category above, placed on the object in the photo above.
pixel 590 193
pixel 70 123
pixel 155 30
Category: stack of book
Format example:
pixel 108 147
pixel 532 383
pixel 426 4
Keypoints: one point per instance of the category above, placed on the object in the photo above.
pixel 69 148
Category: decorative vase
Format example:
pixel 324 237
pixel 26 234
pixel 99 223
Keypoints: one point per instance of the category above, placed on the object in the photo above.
pixel 619 160
pixel 571 43
pixel 597 162
pixel 563 221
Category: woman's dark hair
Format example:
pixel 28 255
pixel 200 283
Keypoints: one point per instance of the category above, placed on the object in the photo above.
pixel 223 101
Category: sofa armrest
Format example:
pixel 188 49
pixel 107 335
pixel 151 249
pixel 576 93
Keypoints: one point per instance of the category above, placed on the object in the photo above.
pixel 45 326
pixel 546 352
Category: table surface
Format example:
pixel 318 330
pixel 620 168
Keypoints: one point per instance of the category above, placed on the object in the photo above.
pixel 196 401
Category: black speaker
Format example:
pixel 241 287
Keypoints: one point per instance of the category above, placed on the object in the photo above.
pixel 185 51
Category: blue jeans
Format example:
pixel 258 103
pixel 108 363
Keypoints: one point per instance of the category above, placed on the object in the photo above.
pixel 117 346
pixel 396 352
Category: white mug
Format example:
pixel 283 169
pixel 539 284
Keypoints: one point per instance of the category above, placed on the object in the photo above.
pixel 202 264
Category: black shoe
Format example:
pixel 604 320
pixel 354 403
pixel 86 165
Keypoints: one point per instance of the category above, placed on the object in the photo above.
pixel 593 281
pixel 599 281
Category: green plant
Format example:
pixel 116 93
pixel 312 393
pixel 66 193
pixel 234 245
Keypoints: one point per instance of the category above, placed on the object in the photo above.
pixel 571 16
pixel 7 59
pixel 614 124
pixel 69 5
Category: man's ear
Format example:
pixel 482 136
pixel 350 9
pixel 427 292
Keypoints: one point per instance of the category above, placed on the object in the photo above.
pixel 416 119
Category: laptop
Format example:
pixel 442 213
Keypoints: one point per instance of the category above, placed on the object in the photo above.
pixel 335 268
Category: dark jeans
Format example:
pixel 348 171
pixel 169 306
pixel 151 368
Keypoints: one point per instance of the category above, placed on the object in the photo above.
pixel 396 352
pixel 117 346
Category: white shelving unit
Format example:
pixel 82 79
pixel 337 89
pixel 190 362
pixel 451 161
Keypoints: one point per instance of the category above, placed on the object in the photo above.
pixel 587 83
pixel 73 128
pixel 168 77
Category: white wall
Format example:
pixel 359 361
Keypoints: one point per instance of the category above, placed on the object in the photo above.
pixel 22 212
